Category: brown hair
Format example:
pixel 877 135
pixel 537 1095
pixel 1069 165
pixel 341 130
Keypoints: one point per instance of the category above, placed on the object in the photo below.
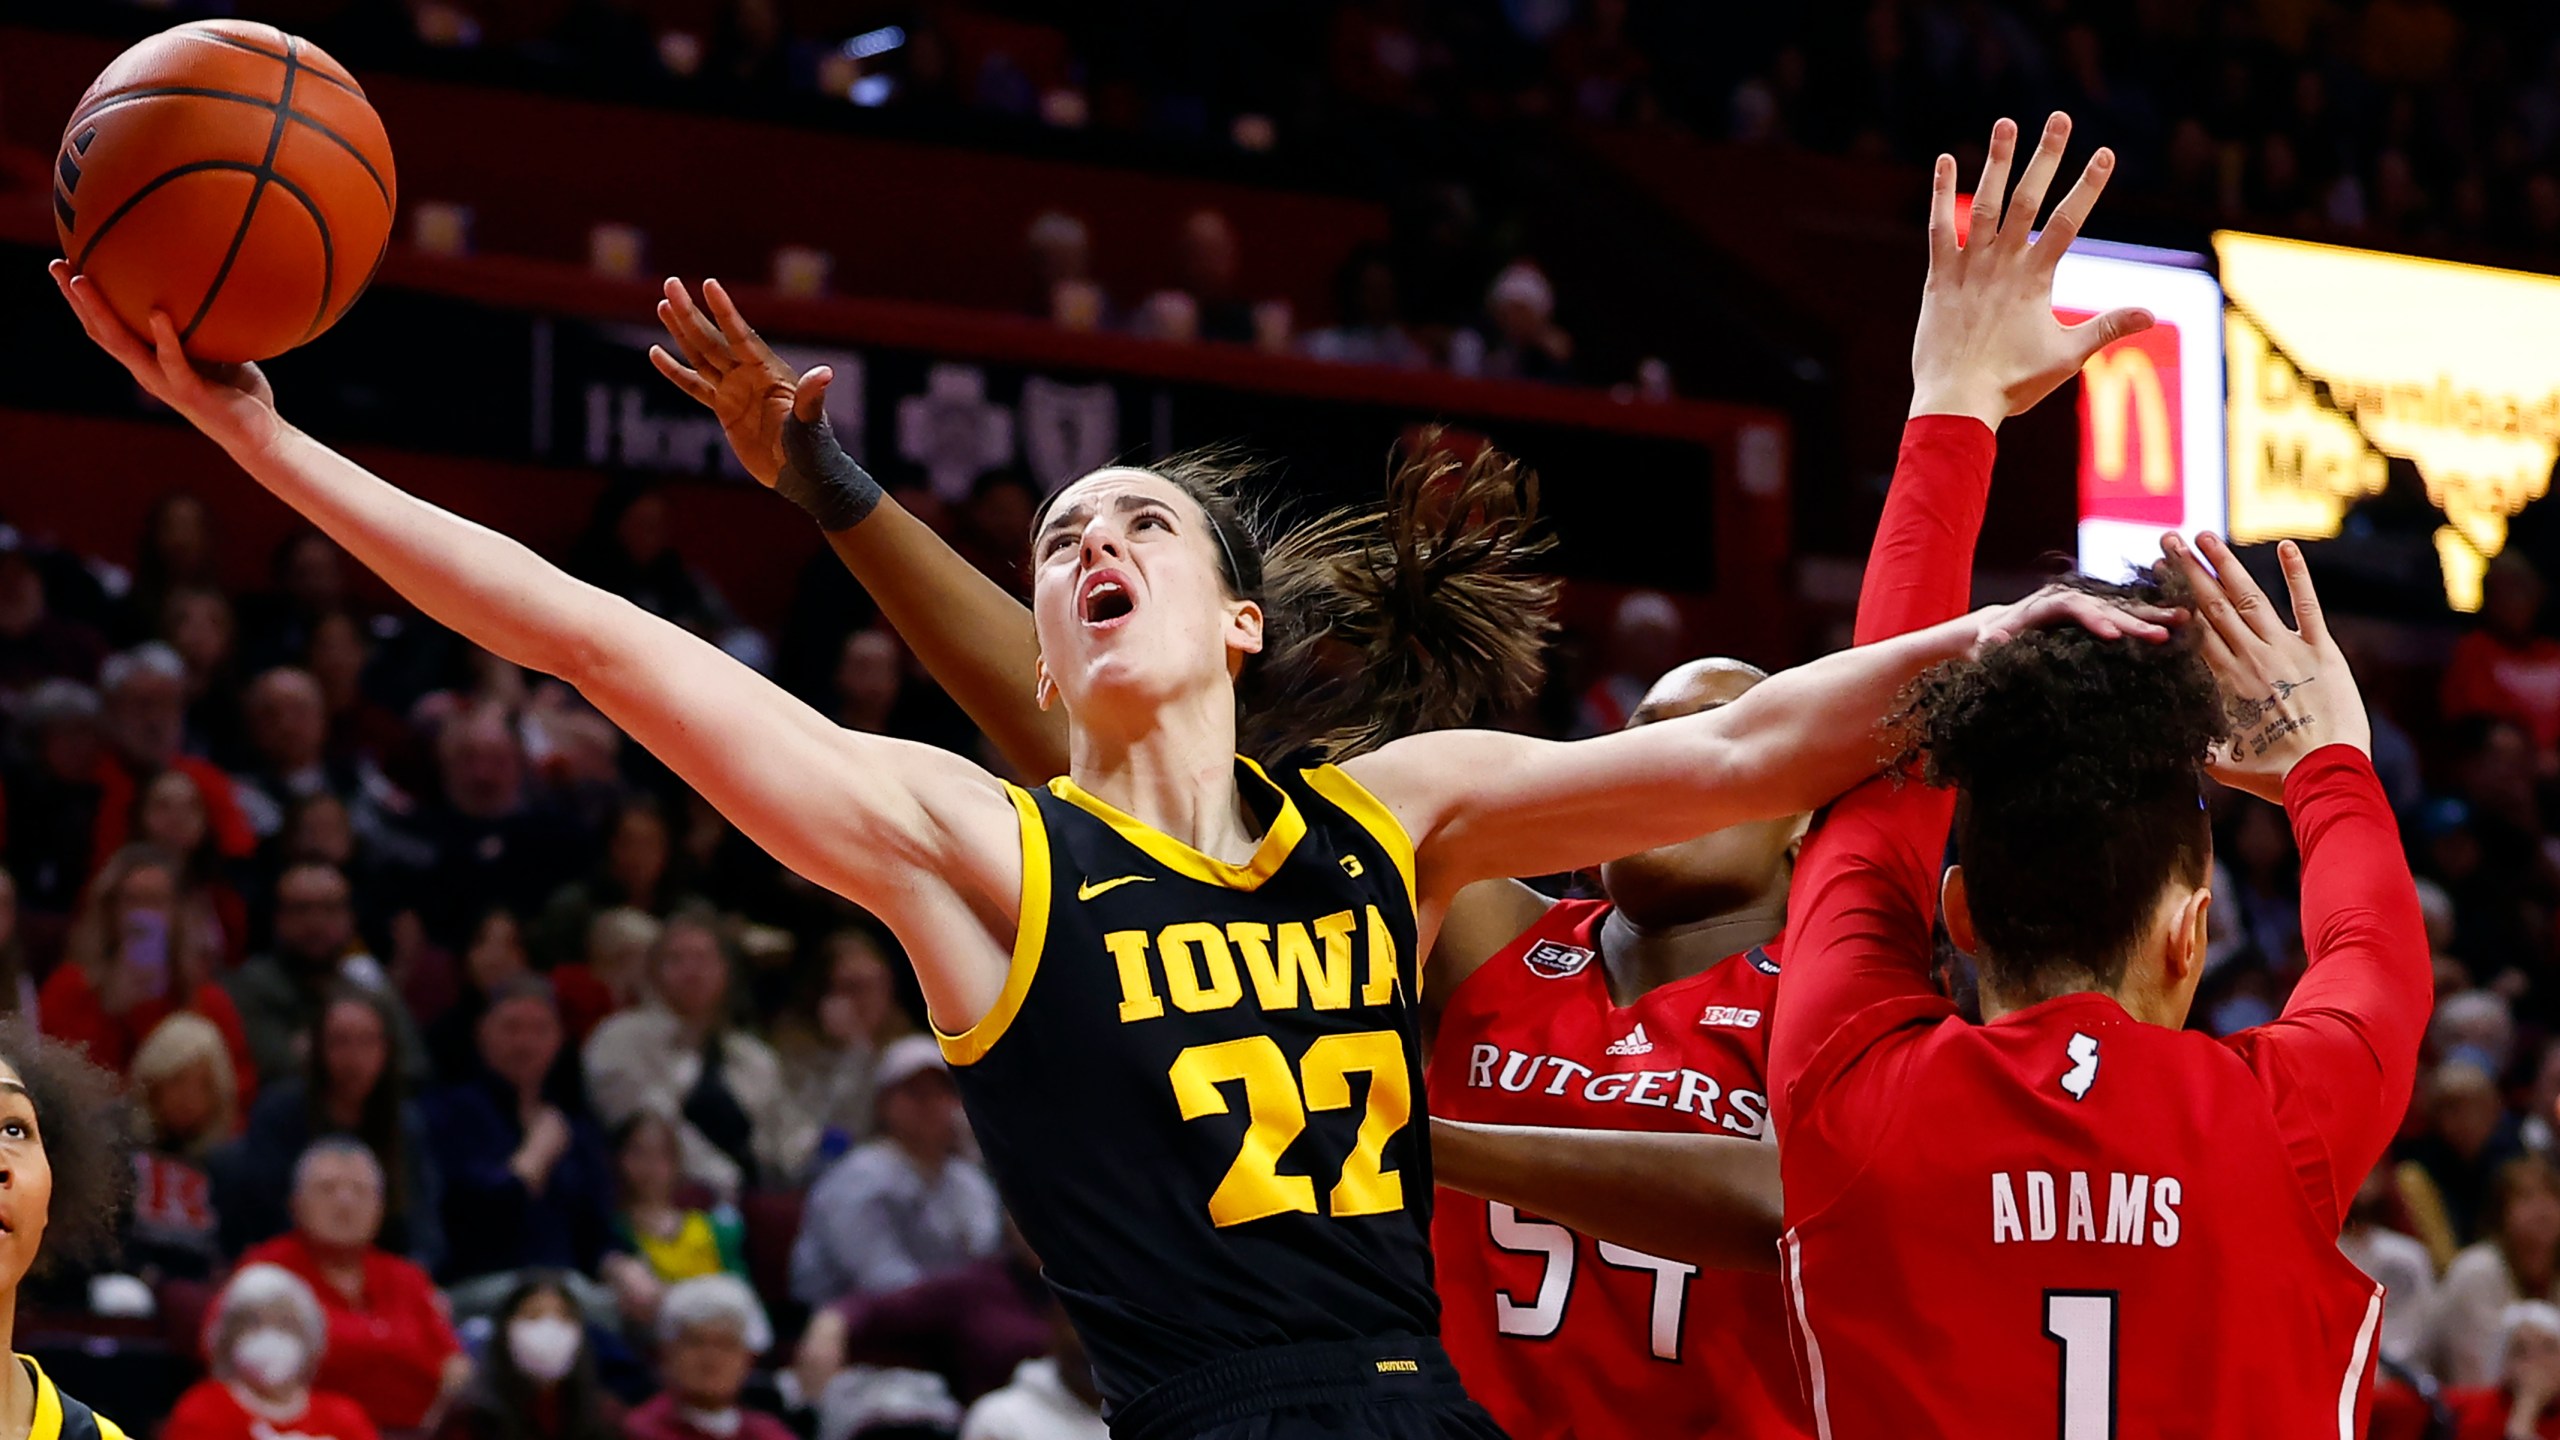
pixel 95 943
pixel 1417 612
pixel 2514 1178
pixel 381 1119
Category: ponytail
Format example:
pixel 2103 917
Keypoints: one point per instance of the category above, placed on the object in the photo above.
pixel 1423 612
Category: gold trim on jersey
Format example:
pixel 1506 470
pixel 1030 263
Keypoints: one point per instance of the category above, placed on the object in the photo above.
pixel 48 1416
pixel 1353 799
pixel 1287 829
pixel 1030 936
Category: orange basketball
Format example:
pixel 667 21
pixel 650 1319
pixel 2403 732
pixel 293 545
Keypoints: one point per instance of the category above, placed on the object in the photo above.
pixel 229 174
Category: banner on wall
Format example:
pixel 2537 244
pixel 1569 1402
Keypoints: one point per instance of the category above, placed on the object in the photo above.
pixel 952 422
pixel 428 373
pixel 2151 446
pixel 915 417
pixel 2345 360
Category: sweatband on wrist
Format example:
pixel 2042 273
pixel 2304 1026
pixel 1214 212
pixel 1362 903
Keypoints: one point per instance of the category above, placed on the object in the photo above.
pixel 820 478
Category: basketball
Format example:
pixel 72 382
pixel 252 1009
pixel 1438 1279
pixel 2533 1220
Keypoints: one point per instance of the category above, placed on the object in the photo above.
pixel 232 175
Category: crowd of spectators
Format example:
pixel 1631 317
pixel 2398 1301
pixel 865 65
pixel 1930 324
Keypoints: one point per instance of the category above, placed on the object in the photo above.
pixel 2400 123
pixel 488 1083
pixel 458 1024
pixel 492 1084
pixel 1373 86
pixel 1508 331
pixel 2404 123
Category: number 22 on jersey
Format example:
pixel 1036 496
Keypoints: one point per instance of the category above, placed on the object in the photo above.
pixel 1276 1105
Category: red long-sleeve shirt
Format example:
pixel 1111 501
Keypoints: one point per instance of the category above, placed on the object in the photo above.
pixel 71 1011
pixel 388 1348
pixel 2066 1208
pixel 1921 570
pixel 2335 1068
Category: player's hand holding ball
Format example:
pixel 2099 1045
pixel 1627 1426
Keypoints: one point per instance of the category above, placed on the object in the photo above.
pixel 223 192
pixel 2288 685
pixel 230 403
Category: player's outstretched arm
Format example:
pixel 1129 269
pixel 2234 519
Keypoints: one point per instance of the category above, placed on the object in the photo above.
pixel 863 816
pixel 1987 347
pixel 2340 1061
pixel 1481 803
pixel 974 639
pixel 1711 1200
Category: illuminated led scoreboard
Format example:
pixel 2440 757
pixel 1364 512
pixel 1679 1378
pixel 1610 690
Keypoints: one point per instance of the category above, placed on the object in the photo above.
pixel 2271 399
pixel 2344 360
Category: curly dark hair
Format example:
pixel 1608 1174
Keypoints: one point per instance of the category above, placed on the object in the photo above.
pixel 2078 765
pixel 1418 612
pixel 87 1128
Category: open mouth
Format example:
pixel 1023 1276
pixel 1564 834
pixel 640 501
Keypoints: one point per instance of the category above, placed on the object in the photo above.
pixel 1106 600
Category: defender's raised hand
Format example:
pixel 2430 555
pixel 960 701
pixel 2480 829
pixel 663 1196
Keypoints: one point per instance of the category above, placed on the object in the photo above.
pixel 1988 345
pixel 2288 686
pixel 728 367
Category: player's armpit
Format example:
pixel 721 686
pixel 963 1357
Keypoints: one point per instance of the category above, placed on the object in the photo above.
pixel 2340 1062
pixel 1481 803
pixel 1483 918
pixel 922 838
pixel 2325 1086
pixel 1710 1200
pixel 1859 919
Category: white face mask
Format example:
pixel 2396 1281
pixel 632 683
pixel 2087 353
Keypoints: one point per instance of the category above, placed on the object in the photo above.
pixel 544 1347
pixel 269 1358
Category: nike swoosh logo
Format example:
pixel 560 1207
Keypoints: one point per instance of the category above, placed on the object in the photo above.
pixel 1088 890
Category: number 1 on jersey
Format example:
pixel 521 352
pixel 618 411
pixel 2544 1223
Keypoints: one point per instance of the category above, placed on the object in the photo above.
pixel 2083 1324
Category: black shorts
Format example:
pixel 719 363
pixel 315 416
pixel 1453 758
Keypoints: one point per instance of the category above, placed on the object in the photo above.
pixel 1398 1388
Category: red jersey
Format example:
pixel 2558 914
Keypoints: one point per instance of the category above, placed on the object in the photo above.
pixel 2483 1413
pixel 1557 1335
pixel 2067 1221
pixel 388 1351
pixel 211 1410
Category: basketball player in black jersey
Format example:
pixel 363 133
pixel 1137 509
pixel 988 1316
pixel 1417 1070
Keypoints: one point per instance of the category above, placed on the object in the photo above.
pixel 1180 990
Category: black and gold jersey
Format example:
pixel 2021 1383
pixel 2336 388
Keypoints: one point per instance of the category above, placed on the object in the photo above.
pixel 1197 1090
pixel 59 1417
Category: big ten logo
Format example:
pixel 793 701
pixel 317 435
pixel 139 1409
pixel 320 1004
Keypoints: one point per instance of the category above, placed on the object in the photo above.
pixel 2132 431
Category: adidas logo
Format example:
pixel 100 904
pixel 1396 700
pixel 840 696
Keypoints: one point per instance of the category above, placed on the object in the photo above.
pixel 1635 1043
